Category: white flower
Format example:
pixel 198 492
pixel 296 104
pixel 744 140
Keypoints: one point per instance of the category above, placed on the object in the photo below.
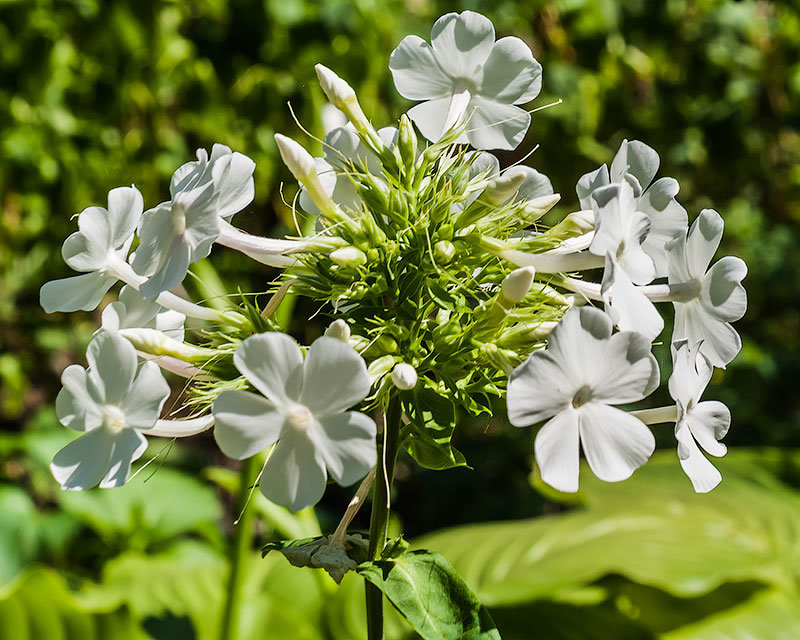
pixel 305 411
pixel 657 201
pixel 584 370
pixel 113 404
pixel 132 311
pixel 619 233
pixel 719 297
pixel 698 423
pixel 176 233
pixel 102 242
pixel 528 183
pixel 465 76
pixel 341 148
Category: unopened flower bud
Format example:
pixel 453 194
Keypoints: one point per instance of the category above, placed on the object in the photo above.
pixel 336 89
pixel 407 139
pixel 338 329
pixel 380 367
pixel 517 284
pixel 444 251
pixel 536 208
pixel 404 376
pixel 295 157
pixel 349 257
pixel 503 188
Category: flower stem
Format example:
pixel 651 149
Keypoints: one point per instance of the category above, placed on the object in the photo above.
pixel 388 443
pixel 240 549
pixel 657 415
pixel 675 292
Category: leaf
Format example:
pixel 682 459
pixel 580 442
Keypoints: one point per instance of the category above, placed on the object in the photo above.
pixel 40 606
pixel 652 529
pixel 431 596
pixel 318 554
pixel 148 509
pixel 427 437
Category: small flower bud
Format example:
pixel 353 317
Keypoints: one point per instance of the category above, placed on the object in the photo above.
pixel 336 89
pixel 379 368
pixel 338 329
pixel 404 376
pixel 536 208
pixel 444 251
pixel 295 157
pixel 349 257
pixel 407 140
pixel 517 284
pixel 503 188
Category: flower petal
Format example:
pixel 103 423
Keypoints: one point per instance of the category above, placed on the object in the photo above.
pixel 83 462
pixel 511 74
pixel 494 125
pixel 720 342
pixel 589 183
pixel 77 293
pixel 129 445
pixel 245 423
pixel 636 158
pixel 416 71
pixel 709 422
pixel 125 206
pixel 295 474
pixel 430 116
pixel 538 389
pixel 703 475
pixel 668 220
pixel 691 373
pixel 273 363
pixel 146 398
pixel 534 184
pixel 558 452
pixel 233 182
pixel 76 404
pixel 703 240
pixel 721 293
pixel 112 366
pixel 578 343
pixel 615 443
pixel 346 443
pixel 84 253
pixel 629 371
pixel 171 271
pixel 630 309
pixel 334 377
pixel 462 42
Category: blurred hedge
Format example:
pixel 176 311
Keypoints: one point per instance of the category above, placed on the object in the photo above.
pixel 99 94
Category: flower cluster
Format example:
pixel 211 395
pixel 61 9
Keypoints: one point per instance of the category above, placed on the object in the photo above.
pixel 442 287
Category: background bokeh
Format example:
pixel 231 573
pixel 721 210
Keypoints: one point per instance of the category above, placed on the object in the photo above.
pixel 95 95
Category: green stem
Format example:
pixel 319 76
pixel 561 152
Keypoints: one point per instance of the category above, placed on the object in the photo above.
pixel 379 519
pixel 239 550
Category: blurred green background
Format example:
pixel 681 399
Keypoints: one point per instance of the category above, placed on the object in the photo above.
pixel 94 95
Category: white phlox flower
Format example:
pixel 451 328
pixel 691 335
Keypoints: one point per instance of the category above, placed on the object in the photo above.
pixel 114 405
pixel 133 311
pixel 698 423
pixel 343 147
pixel 572 385
pixel 97 249
pixel 176 233
pixel 715 296
pixel 302 405
pixel 464 76
pixel 668 219
pixel 619 233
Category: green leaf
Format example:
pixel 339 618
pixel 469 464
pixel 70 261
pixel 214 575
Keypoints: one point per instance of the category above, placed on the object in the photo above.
pixel 431 596
pixel 427 437
pixel 40 606
pixel 148 509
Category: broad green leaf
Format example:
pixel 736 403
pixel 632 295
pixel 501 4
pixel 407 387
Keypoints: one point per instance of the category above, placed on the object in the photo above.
pixel 652 529
pixel 40 606
pixel 427 437
pixel 149 508
pixel 431 596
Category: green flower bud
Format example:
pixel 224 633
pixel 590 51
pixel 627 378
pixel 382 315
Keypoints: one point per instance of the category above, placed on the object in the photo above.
pixel 536 208
pixel 407 141
pixel 349 257
pixel 380 367
pixel 444 251
pixel 503 188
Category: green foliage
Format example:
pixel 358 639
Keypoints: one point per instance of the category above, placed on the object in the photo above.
pixel 431 596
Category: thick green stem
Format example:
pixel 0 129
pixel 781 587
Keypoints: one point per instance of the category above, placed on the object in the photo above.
pixel 239 553
pixel 388 443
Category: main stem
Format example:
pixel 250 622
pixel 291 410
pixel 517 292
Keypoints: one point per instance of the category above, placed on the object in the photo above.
pixel 388 443
pixel 240 549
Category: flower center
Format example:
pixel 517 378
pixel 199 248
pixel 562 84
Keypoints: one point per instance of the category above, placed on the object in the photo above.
pixel 113 418
pixel 583 395
pixel 300 418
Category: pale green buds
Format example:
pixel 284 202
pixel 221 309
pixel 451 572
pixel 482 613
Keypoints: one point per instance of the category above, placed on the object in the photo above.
pixel 157 343
pixel 516 284
pixel 575 224
pixel 338 329
pixel 349 257
pixel 404 376
pixel 502 188
pixel 536 208
pixel 407 140
pixel 380 367
pixel 343 97
pixel 444 251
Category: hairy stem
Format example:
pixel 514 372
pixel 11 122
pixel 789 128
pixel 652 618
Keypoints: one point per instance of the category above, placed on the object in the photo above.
pixel 388 443
pixel 240 549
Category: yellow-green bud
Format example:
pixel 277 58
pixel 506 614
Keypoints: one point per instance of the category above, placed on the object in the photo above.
pixel 536 208
pixel 349 257
pixel 407 140
pixel 444 251
pixel 503 188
